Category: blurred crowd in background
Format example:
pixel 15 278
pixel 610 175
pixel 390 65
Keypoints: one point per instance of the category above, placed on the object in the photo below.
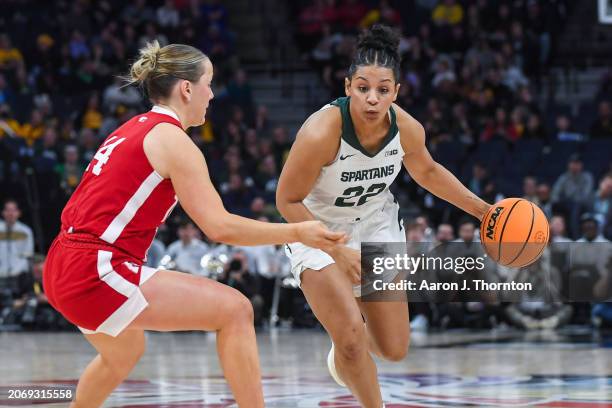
pixel 472 73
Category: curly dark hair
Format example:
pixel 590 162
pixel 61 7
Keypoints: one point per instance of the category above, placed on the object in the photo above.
pixel 377 46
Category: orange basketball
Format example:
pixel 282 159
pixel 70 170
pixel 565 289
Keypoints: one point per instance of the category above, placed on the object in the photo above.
pixel 514 232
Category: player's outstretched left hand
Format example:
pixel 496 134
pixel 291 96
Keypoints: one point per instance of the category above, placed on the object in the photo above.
pixel 315 234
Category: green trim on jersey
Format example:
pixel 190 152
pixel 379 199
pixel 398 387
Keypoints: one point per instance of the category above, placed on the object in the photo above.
pixel 348 130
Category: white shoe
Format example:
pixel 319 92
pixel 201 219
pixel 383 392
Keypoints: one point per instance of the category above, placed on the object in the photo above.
pixel 419 323
pixel 331 366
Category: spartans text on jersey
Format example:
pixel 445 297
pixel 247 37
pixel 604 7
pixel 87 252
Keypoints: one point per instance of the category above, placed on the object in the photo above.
pixel 367 174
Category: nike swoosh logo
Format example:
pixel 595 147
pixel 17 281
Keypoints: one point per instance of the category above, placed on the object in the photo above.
pixel 346 157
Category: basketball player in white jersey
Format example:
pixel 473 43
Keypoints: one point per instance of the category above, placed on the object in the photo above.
pixel 339 170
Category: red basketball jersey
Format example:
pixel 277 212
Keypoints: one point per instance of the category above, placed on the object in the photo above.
pixel 121 199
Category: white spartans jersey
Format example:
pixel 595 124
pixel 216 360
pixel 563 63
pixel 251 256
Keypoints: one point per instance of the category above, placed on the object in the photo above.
pixel 356 184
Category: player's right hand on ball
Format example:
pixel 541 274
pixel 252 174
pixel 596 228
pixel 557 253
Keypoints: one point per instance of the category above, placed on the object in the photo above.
pixel 349 261
pixel 315 234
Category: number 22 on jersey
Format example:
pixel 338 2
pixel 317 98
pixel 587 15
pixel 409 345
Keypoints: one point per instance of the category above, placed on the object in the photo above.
pixel 103 154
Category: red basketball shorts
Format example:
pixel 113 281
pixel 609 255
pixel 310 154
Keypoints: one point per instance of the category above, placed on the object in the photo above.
pixel 95 287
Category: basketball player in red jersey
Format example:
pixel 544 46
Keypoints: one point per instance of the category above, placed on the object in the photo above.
pixel 94 273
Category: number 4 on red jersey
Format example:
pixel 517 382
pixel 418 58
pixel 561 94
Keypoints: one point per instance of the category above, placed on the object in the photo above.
pixel 103 154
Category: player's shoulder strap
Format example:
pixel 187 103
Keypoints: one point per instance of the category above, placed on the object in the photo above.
pixel 348 130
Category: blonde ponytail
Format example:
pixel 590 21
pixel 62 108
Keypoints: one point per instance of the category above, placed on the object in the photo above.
pixel 159 68
pixel 146 64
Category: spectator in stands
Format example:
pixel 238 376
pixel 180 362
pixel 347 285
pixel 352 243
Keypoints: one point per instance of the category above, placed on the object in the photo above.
pixel 250 150
pixel 420 307
pixel 490 193
pixel 238 195
pixel 589 268
pixel 601 315
pixel 238 116
pixel 602 205
pixel 92 116
pixel 350 13
pixel 322 53
pixel 155 253
pixel 534 128
pixel 310 24
pixel 88 144
pixel 428 232
pixel 258 208
pixel 540 308
pixel 591 233
pixel 167 15
pixel 573 189
pixel 263 124
pixel 10 57
pixel 500 128
pixel 280 145
pixel 267 262
pixel 138 13
pixel 557 230
pixel 214 13
pixel 216 44
pixel 6 94
pixel 9 126
pixel 559 243
pixel 240 93
pixel 445 233
pixel 266 178
pixel 336 71
pixel 71 170
pixel 447 12
pixel 564 131
pixel 116 94
pixel 238 276
pixel 31 309
pixel 151 34
pixel 468 308
pixel 383 14
pixel 188 250
pixel 467 234
pixel 46 57
pixel 480 54
pixel 602 127
pixel 479 179
pixel 575 185
pixel 605 88
pixel 78 47
pixel 16 244
pixel 544 199
pixel 32 129
pixel 67 131
pixel 46 152
pixel 444 77
pixel 530 188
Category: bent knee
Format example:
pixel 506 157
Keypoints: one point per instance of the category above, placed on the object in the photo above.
pixel 395 353
pixel 351 344
pixel 123 362
pixel 241 309
pixel 351 350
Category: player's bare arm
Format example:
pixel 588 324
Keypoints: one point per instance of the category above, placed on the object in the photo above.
pixel 175 156
pixel 431 175
pixel 315 146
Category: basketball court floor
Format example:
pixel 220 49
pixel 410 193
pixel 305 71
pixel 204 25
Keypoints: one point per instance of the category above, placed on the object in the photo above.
pixel 570 368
